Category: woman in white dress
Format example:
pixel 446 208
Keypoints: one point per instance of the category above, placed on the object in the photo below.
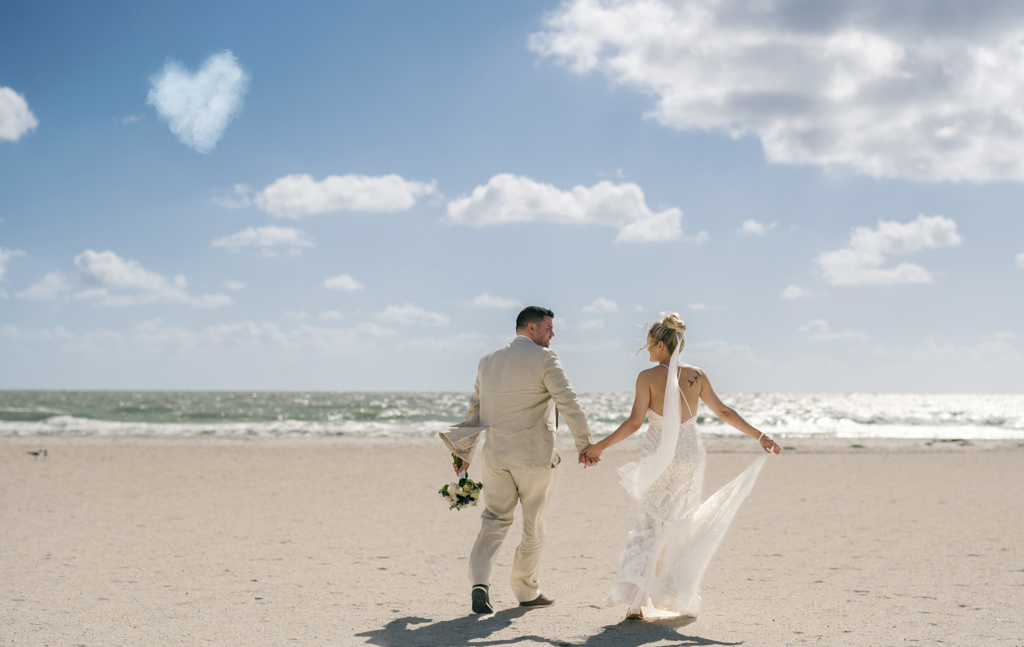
pixel 675 535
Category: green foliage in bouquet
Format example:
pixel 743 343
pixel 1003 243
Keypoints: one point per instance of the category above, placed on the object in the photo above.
pixel 465 492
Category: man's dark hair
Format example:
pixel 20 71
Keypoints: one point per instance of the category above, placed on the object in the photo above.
pixel 532 314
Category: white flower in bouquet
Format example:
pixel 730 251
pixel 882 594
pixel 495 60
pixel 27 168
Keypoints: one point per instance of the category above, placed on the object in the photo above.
pixel 461 493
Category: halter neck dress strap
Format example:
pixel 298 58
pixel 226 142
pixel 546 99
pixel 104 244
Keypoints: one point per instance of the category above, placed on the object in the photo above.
pixel 683 395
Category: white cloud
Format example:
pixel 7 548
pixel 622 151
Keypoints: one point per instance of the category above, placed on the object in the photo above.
pixel 602 305
pixel 604 347
pixel 794 292
pixel 109 279
pixel 132 119
pixel 410 315
pixel 6 256
pixel 1020 260
pixel 592 324
pixel 114 281
pixel 756 228
pixel 860 262
pixel 235 285
pixel 338 338
pixel 999 347
pixel 343 282
pixel 698 306
pixel 887 89
pixel 331 315
pixel 239 196
pixel 155 336
pixel 13 332
pixel 198 107
pixel 463 342
pixel 268 239
pixel 487 301
pixel 49 288
pixel 15 117
pixel 510 198
pixel 109 269
pixel 659 227
pixel 294 196
pixel 819 330
pixel 718 349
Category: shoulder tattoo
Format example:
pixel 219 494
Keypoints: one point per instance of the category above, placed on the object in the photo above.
pixel 696 376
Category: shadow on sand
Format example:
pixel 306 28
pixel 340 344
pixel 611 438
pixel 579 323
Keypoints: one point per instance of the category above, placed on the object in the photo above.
pixel 476 629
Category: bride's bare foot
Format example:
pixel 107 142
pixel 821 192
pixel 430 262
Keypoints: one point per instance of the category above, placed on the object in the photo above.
pixel 635 614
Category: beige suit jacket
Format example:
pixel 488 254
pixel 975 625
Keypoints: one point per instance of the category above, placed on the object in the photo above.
pixel 518 388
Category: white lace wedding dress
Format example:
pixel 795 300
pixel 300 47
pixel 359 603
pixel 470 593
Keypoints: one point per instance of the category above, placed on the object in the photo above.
pixel 675 535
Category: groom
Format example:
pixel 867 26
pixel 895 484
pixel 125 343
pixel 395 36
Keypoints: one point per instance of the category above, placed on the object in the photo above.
pixel 517 390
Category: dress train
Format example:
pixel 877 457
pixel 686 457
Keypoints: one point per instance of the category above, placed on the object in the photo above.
pixel 675 535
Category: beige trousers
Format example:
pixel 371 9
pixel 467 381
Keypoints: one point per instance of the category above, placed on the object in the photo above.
pixel 503 489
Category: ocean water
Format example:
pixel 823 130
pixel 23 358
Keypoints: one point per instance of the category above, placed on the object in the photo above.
pixel 225 414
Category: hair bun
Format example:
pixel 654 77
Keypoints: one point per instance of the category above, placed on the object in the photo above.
pixel 673 321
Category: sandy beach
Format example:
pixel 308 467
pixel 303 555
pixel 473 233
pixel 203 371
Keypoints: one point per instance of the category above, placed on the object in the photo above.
pixel 334 542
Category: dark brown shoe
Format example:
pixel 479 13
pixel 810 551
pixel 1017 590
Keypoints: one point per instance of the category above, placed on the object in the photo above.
pixel 481 599
pixel 539 601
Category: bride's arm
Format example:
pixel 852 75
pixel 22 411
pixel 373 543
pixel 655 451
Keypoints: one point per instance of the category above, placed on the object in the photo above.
pixel 629 427
pixel 729 416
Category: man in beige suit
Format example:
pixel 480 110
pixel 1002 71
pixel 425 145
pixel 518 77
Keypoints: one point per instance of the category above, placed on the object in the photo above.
pixel 518 388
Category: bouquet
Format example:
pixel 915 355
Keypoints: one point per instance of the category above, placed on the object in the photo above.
pixel 462 493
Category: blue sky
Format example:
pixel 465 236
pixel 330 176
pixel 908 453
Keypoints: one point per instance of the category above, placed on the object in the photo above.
pixel 360 196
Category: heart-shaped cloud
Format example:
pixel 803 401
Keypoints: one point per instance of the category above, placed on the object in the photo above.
pixel 15 117
pixel 198 107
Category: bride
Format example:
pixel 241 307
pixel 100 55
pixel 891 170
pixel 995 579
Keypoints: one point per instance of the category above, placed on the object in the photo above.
pixel 675 535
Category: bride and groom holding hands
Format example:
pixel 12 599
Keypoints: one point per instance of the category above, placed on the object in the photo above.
pixel 520 390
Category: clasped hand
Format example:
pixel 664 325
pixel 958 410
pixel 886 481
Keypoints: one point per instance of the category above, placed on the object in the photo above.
pixel 589 456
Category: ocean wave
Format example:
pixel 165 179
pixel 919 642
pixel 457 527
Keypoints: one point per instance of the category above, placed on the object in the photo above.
pixel 72 426
pixel 858 415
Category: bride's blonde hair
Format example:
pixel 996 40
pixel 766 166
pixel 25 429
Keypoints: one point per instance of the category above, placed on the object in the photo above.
pixel 666 329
